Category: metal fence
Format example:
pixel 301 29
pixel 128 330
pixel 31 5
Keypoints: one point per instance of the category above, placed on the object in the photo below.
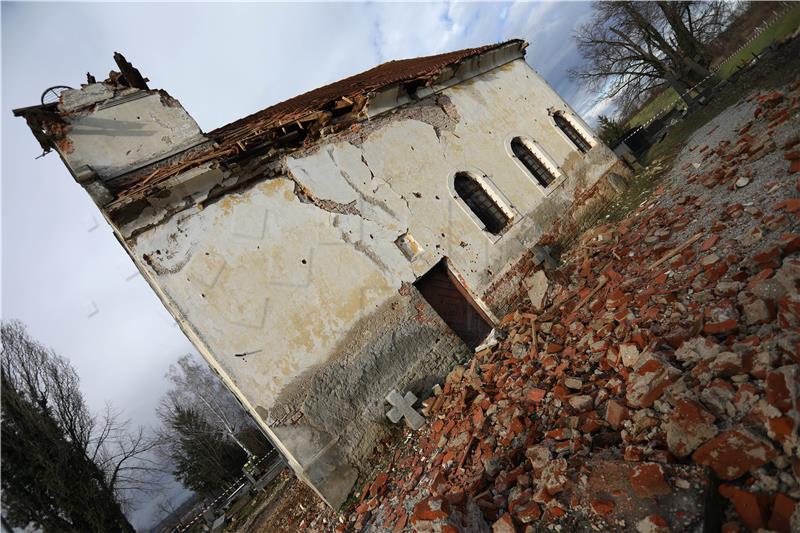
pixel 695 89
pixel 237 485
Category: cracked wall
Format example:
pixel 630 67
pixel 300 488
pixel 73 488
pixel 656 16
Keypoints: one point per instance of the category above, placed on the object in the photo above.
pixel 112 139
pixel 294 288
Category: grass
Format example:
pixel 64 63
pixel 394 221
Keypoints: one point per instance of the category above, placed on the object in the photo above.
pixel 780 29
pixel 773 71
pixel 654 106
pixel 783 27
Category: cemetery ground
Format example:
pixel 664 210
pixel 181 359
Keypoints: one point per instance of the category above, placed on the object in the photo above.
pixel 781 28
pixel 652 381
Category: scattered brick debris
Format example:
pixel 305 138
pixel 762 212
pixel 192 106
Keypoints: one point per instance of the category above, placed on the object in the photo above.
pixel 654 383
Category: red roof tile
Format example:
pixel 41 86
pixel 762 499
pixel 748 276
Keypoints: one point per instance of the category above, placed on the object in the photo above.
pixel 383 75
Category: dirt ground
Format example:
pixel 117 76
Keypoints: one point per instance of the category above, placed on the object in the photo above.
pixel 723 200
pixel 280 507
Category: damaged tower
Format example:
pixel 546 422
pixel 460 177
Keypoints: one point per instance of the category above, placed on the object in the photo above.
pixel 356 239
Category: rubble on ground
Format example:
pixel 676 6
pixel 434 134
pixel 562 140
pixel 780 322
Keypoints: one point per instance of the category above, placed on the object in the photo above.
pixel 654 383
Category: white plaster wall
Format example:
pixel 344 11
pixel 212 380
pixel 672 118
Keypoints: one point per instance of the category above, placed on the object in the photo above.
pixel 407 167
pixel 235 270
pixel 114 139
pixel 263 274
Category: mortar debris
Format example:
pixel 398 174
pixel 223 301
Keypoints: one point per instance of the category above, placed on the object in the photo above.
pixel 658 387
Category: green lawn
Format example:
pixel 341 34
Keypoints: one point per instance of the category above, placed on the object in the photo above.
pixel 778 30
pixel 668 96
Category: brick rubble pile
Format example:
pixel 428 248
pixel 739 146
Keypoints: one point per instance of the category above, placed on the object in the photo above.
pixel 650 384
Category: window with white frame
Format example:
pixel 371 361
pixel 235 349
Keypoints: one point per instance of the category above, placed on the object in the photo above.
pixel 531 161
pixel 572 133
pixel 481 202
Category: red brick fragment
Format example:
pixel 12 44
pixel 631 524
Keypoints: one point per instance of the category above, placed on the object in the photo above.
pixel 709 243
pixel 647 383
pixel 717 328
pixel 553 347
pixel 603 507
pixel 688 427
pixel 780 384
pixel 751 508
pixel 647 479
pixel 733 453
pixel 782 512
pixel 790 206
pixel 535 395
pixel 528 513
pixel 616 414
pixel 653 524
pixel 504 524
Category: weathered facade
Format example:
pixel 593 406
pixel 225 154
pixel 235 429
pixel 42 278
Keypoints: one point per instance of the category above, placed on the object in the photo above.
pixel 356 239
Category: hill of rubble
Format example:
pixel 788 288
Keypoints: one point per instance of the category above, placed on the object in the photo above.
pixel 650 384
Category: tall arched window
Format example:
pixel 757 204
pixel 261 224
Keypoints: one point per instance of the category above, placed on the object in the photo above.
pixel 569 130
pixel 532 162
pixel 478 199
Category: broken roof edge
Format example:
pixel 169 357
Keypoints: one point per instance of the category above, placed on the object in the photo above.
pixel 295 132
pixel 296 123
pixel 379 76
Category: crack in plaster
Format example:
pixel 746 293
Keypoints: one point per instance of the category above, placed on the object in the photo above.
pixel 361 247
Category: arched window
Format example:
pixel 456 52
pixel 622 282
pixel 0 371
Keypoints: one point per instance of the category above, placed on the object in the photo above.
pixel 478 199
pixel 532 162
pixel 569 130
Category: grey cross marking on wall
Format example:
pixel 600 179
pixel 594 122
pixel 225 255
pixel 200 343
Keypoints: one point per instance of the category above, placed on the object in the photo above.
pixel 403 407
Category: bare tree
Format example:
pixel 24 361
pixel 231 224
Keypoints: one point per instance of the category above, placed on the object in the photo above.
pixel 632 48
pixel 197 387
pixel 206 436
pixel 43 391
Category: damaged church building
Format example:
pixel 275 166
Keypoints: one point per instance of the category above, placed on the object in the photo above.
pixel 362 238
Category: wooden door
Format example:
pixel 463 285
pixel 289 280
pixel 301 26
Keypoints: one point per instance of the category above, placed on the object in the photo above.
pixel 452 302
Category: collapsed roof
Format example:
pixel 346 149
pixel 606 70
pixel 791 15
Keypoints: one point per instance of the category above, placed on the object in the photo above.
pixel 295 122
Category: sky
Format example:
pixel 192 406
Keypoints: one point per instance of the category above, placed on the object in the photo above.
pixel 63 272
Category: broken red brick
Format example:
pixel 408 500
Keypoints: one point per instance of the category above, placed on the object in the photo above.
pixel 603 507
pixel 733 453
pixel 780 384
pixel 790 206
pixel 647 479
pixel 616 414
pixel 528 513
pixel 553 347
pixel 751 508
pixel 430 509
pixel 782 512
pixel 688 427
pixel 716 328
pixel 648 381
pixel 653 524
pixel 535 395
pixel 379 482
pixel 709 243
pixel 504 524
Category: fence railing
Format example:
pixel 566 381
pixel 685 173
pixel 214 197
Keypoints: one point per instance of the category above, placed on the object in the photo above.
pixel 679 96
pixel 234 487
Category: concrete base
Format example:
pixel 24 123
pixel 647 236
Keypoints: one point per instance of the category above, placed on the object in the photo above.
pixel 318 461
